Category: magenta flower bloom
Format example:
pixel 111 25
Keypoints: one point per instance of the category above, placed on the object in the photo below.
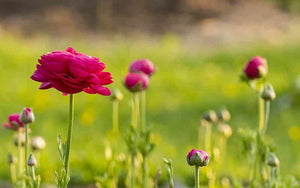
pixel 135 82
pixel 197 158
pixel 256 68
pixel 13 122
pixel 72 72
pixel 142 65
pixel 27 116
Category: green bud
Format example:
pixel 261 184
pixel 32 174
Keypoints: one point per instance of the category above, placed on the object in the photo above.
pixel 225 130
pixel 210 116
pixel 116 95
pixel 31 160
pixel 272 160
pixel 224 115
pixel 11 159
pixel 38 143
pixel 22 140
pixel 268 93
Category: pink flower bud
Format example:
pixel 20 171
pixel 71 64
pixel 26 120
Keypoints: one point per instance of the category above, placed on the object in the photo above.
pixel 142 65
pixel 256 68
pixel 27 116
pixel 13 122
pixel 197 158
pixel 135 82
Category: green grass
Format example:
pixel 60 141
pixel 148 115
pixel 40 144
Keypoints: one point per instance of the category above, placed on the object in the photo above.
pixel 187 83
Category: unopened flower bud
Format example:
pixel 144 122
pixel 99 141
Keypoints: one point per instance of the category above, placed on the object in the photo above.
pixel 268 93
pixel 256 68
pixel 31 160
pixel 272 160
pixel 27 116
pixel 11 159
pixel 22 140
pixel 116 95
pixel 136 82
pixel 225 130
pixel 210 116
pixel 197 158
pixel 142 65
pixel 223 115
pixel 38 143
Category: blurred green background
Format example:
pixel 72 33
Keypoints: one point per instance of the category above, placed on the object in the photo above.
pixel 186 84
pixel 197 70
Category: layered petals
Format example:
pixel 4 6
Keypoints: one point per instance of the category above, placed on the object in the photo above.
pixel 13 122
pixel 71 72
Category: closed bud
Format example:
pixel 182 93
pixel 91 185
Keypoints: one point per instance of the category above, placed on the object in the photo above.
pixel 210 116
pixel 268 93
pixel 22 140
pixel 31 160
pixel 11 159
pixel 38 143
pixel 256 68
pixel 116 95
pixel 272 160
pixel 223 115
pixel 27 116
pixel 142 65
pixel 225 130
pixel 197 158
pixel 136 82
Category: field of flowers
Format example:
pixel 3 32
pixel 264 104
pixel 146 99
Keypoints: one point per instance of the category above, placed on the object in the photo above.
pixel 187 83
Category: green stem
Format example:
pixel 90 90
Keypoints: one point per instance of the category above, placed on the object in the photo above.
pixel 135 114
pixel 33 173
pixel 26 147
pixel 253 162
pixel 137 110
pixel 266 116
pixel 13 173
pixel 208 138
pixel 272 174
pixel 197 182
pixel 132 171
pixel 145 172
pixel 115 122
pixel 70 133
pixel 143 110
pixel 115 117
pixel 261 114
pixel 20 158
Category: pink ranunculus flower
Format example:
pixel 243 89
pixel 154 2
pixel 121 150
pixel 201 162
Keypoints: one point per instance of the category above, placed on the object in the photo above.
pixel 27 116
pixel 13 122
pixel 142 65
pixel 197 158
pixel 135 82
pixel 72 72
pixel 256 68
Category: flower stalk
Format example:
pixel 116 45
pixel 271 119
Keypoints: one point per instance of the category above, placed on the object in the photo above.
pixel 12 166
pixel 197 181
pixel 26 146
pixel 70 134
pixel 20 153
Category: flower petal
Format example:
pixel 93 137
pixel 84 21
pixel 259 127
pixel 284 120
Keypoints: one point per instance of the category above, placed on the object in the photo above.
pixel 45 85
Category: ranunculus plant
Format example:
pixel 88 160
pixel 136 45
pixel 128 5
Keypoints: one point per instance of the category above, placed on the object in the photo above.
pixel 71 72
pixel 137 81
pixel 254 73
pixel 197 158
pixel 16 125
